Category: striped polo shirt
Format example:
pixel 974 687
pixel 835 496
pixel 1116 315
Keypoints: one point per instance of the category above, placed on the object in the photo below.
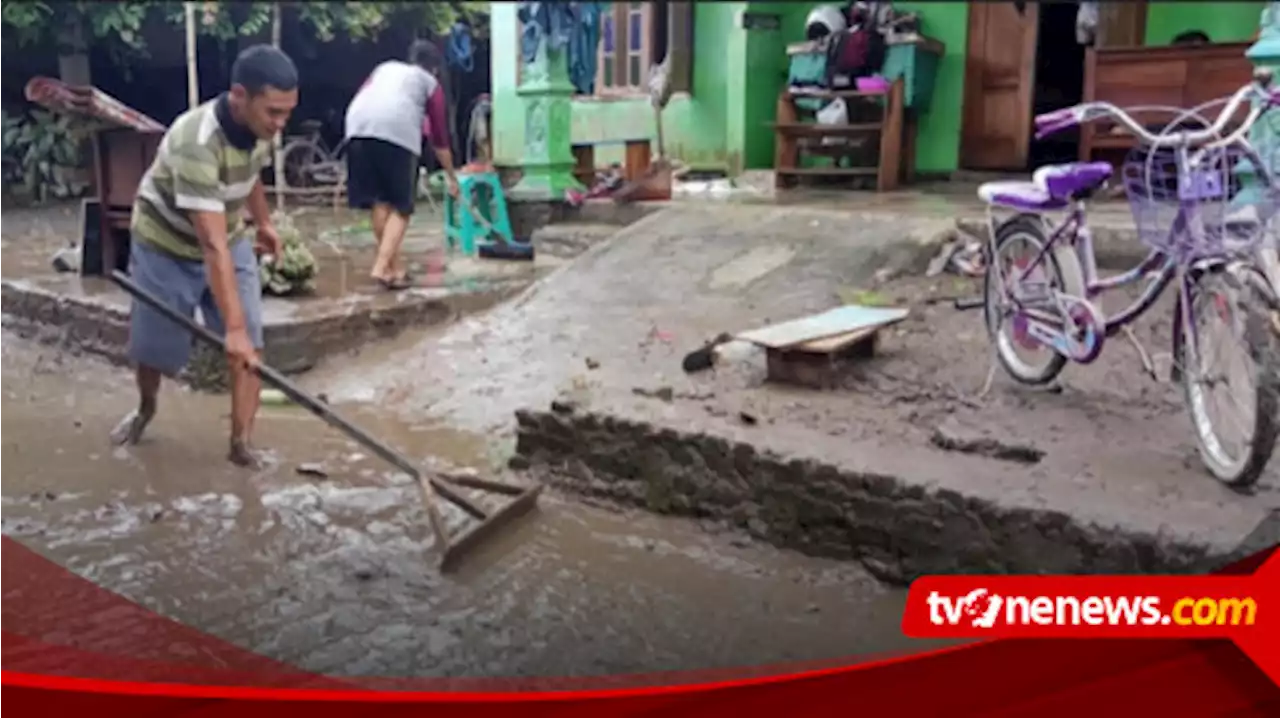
pixel 196 169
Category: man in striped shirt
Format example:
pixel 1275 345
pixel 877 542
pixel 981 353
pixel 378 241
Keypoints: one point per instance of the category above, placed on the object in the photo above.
pixel 188 247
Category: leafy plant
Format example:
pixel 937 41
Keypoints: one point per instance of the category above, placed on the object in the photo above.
pixel 294 271
pixel 12 126
pixel 117 27
pixel 39 151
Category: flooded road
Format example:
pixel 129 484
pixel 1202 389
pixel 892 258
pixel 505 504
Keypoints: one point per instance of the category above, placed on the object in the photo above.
pixel 337 574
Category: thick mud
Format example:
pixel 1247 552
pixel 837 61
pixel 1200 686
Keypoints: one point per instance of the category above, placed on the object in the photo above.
pixel 337 574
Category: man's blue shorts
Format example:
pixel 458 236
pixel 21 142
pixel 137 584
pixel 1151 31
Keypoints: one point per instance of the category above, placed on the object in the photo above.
pixel 154 339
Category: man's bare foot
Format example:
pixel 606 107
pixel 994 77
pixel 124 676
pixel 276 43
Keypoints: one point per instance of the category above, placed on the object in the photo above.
pixel 243 456
pixel 131 427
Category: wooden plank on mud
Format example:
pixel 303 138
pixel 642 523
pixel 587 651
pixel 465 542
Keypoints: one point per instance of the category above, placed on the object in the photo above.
pixel 829 324
pixel 831 345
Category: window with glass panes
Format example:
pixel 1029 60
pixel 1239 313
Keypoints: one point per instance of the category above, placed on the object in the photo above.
pixel 625 47
pixel 634 36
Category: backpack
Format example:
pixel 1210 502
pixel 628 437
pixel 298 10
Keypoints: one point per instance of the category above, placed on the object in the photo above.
pixel 860 50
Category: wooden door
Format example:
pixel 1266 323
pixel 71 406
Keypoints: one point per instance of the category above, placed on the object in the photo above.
pixel 999 84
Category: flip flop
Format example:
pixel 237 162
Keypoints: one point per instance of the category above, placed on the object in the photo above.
pixel 397 284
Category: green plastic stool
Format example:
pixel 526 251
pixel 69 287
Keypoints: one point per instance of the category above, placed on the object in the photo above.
pixel 462 230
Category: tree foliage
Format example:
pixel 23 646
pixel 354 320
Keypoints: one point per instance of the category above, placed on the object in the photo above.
pixel 119 25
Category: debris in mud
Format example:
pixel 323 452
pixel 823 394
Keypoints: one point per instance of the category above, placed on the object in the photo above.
pixel 316 470
pixel 962 255
pixel 748 419
pixel 950 437
pixel 273 397
pixel 664 393
pixel 564 406
pixel 592 364
pixel 706 356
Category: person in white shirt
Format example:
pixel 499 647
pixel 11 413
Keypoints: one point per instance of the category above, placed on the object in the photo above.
pixel 385 123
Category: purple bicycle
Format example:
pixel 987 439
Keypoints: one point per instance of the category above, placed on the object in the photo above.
pixel 1042 281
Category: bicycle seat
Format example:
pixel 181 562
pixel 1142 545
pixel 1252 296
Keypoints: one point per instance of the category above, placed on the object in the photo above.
pixel 1051 187
pixel 310 126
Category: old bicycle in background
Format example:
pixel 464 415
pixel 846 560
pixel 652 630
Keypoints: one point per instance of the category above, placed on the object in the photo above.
pixel 1042 281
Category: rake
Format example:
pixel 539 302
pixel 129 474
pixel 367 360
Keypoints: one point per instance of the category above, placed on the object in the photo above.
pixel 446 486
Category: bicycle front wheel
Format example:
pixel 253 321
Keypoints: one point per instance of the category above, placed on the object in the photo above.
pixel 1230 365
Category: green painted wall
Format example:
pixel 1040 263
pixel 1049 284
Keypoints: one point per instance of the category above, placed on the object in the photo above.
pixel 1221 21
pixel 694 124
pixel 938 140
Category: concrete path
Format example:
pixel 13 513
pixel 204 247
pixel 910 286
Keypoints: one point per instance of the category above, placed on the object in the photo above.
pixel 1115 449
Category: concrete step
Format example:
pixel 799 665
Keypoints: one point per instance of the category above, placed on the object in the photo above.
pixel 569 239
pixel 604 211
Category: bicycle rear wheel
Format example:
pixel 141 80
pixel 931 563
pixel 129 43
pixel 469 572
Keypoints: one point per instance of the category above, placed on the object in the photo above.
pixel 300 159
pixel 1061 270
pixel 1226 299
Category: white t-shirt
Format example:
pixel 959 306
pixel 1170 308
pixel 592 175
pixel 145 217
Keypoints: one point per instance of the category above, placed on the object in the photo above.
pixel 392 104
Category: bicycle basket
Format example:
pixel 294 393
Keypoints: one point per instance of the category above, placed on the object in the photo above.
pixel 1187 202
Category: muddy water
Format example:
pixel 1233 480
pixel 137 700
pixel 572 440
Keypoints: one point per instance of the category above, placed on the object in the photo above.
pixel 335 574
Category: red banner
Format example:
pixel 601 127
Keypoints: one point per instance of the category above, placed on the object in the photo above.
pixel 51 661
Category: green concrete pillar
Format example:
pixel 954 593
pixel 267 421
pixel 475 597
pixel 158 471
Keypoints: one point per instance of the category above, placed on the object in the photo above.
pixel 1265 134
pixel 547 162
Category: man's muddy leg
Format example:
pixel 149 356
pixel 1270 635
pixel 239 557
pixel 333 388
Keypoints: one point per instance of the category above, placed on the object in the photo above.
pixel 246 390
pixel 131 428
pixel 157 346
pixel 246 385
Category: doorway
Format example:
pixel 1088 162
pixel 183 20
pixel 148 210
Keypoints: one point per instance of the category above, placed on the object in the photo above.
pixel 1023 58
pixel 1059 80
pixel 999 77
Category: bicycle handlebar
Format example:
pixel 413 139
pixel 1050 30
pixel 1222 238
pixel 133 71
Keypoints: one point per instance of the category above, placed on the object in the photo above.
pixel 1068 117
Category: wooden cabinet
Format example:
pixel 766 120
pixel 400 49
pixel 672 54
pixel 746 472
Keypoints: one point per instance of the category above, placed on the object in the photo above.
pixel 916 62
pixel 121 158
pixel 1183 76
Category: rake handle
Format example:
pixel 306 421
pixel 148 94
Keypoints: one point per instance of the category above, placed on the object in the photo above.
pixel 274 378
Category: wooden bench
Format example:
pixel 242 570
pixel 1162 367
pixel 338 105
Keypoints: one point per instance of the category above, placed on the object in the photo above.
pixel 636 159
pixel 1181 76
pixel 796 137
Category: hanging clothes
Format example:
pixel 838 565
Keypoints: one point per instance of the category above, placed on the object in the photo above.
pixel 458 50
pixel 571 25
pixel 549 21
pixel 583 44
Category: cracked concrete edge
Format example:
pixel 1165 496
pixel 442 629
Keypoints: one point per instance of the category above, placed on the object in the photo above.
pixel 897 529
pixel 81 324
pixel 1264 536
